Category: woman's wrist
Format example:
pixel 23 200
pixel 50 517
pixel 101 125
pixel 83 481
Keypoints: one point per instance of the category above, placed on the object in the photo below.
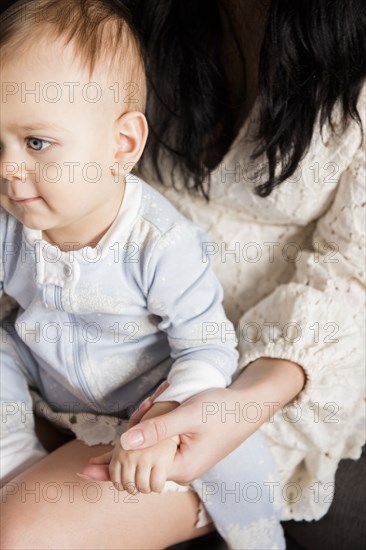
pixel 269 368
pixel 266 385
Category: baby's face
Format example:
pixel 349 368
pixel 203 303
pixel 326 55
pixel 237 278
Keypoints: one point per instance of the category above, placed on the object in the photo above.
pixel 58 142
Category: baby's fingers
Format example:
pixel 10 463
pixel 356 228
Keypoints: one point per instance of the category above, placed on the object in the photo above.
pixel 115 474
pixel 158 478
pixel 128 478
pixel 142 478
pixel 101 459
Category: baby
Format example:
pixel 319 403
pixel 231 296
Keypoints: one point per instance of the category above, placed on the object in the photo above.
pixel 115 292
pixel 114 289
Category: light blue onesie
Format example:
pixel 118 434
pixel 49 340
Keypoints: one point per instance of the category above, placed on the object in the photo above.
pixel 98 328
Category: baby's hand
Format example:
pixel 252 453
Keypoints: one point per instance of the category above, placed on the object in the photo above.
pixel 142 470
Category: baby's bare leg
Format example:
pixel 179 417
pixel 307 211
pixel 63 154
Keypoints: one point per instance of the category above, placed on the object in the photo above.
pixel 49 506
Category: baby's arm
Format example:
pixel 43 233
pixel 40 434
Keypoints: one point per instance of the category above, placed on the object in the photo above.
pixel 182 289
pixel 146 470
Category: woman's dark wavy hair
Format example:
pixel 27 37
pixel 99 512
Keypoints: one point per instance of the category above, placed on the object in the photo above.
pixel 312 55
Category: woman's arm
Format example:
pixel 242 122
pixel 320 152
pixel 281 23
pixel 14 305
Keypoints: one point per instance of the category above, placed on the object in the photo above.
pixel 272 379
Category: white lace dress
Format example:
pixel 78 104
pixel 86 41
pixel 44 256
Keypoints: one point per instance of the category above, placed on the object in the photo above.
pixel 293 269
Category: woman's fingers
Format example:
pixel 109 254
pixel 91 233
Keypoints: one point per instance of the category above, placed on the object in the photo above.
pixel 140 412
pixel 178 472
pixel 162 387
pixel 204 438
pixel 101 459
pixel 98 467
pixel 150 432
pixel 97 472
pixel 147 404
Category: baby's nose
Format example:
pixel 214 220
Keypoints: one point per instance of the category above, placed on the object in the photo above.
pixel 13 170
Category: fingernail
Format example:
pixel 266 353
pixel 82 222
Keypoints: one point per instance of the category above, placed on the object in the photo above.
pixel 132 439
pixel 143 403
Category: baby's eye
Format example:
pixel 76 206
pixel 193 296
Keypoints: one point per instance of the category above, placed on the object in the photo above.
pixel 38 144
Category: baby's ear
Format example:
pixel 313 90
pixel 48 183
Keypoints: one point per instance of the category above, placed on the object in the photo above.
pixel 131 132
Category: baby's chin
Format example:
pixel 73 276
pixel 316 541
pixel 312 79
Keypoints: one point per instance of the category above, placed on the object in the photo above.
pixel 26 216
pixel 29 221
pixel 32 220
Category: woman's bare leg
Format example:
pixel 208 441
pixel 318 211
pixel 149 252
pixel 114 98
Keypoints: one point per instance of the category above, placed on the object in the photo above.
pixel 49 506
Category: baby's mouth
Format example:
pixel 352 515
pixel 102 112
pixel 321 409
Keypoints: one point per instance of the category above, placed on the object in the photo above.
pixel 25 199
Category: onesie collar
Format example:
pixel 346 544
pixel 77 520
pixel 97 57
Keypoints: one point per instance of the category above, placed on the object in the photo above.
pixel 117 233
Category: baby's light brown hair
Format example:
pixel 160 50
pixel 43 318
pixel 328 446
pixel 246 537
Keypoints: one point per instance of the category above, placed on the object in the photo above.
pixel 100 32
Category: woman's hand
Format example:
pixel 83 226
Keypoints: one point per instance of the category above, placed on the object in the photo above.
pixel 208 433
pixel 213 423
